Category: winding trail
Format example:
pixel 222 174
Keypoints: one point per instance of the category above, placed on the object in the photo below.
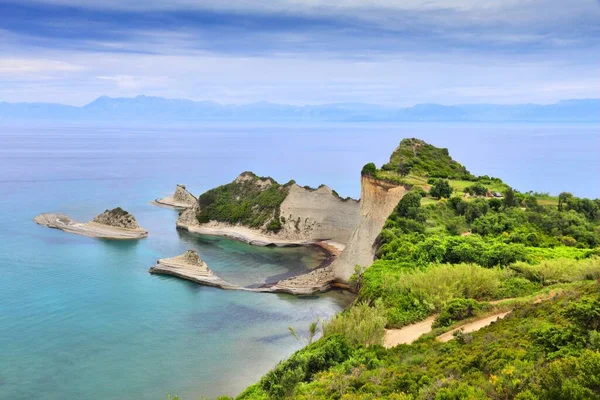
pixel 473 326
pixel 410 333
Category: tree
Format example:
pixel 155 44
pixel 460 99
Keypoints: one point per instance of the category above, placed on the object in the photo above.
pixel 408 206
pixel 369 169
pixel 404 169
pixel 441 188
pixel 562 199
pixel 509 198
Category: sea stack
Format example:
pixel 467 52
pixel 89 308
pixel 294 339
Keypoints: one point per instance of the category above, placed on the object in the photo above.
pixel 181 199
pixel 111 224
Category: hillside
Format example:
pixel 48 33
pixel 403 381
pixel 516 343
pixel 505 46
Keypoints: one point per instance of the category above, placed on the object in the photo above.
pixel 460 254
pixel 261 208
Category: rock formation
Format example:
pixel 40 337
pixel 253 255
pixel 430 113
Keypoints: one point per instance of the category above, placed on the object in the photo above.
pixel 191 267
pixel 111 224
pixel 304 216
pixel 118 218
pixel 378 200
pixel 181 198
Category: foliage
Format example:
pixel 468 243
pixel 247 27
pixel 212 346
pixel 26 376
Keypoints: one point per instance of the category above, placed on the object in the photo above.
pixel 519 357
pixel 477 189
pixel 441 188
pixel 300 367
pixel 456 310
pixel 254 202
pixel 361 325
pixel 423 159
pixel 369 169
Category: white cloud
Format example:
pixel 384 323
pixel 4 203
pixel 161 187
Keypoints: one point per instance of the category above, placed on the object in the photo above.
pixel 20 66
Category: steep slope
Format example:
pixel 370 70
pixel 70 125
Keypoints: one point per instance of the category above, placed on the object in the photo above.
pixel 261 211
pixel 378 199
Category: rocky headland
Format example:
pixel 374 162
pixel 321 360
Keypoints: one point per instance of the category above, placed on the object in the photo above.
pixel 180 199
pixel 111 224
pixel 260 211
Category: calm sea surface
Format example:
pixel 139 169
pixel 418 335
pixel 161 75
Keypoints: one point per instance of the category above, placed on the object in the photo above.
pixel 82 318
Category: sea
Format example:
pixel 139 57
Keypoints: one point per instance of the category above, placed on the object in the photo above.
pixel 82 318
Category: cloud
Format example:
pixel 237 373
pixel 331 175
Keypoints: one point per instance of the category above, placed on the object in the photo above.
pixel 22 66
pixel 301 51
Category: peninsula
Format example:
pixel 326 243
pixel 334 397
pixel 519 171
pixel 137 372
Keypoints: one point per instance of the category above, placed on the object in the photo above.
pixel 260 211
pixel 111 224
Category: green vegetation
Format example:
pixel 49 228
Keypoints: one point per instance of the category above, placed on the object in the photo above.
pixel 253 201
pixel 420 158
pixel 441 188
pixel 457 257
pixel 548 350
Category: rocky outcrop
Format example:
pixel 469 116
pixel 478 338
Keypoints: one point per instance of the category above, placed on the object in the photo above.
pixel 305 216
pixel 378 200
pixel 118 218
pixel 181 198
pixel 111 224
pixel 191 267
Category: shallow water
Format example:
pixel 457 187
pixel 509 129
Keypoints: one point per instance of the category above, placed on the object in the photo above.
pixel 82 318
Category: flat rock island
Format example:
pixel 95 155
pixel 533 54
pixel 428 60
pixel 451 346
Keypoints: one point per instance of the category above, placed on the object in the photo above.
pixel 191 267
pixel 111 224
pixel 180 199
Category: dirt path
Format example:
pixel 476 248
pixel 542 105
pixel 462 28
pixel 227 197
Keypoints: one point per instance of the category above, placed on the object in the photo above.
pixel 408 334
pixel 473 326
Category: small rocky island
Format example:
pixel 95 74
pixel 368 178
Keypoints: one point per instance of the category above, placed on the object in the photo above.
pixel 190 266
pixel 111 224
pixel 181 199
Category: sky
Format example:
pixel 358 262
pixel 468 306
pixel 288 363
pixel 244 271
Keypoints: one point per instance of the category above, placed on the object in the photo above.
pixel 392 52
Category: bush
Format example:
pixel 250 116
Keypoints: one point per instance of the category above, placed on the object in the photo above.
pixel 561 270
pixel 456 310
pixel 369 169
pixel 361 325
pixel 302 366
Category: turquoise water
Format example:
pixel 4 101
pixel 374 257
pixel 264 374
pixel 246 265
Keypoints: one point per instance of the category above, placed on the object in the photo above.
pixel 82 318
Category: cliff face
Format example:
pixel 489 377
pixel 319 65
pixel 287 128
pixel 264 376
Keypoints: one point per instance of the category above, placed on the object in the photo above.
pixel 311 215
pixel 303 214
pixel 378 200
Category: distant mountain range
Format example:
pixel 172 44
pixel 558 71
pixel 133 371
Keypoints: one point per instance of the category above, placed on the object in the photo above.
pixel 159 109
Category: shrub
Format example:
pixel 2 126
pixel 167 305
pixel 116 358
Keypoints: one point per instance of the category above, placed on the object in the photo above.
pixel 361 325
pixel 456 310
pixel 369 169
pixel 562 270
pixel 441 188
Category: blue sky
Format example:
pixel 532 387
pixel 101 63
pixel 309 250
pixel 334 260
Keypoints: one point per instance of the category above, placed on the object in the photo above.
pixel 396 52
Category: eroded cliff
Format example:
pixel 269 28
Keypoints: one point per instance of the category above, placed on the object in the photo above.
pixel 378 200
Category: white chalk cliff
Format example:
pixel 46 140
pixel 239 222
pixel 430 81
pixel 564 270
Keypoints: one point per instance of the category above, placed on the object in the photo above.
pixel 377 201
